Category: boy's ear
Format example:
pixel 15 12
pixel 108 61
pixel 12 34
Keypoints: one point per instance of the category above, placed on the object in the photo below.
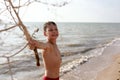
pixel 45 33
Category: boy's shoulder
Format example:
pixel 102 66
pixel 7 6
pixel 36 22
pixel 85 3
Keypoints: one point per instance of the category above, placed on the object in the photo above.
pixel 49 45
pixel 46 45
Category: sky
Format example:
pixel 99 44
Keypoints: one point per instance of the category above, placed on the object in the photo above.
pixel 75 11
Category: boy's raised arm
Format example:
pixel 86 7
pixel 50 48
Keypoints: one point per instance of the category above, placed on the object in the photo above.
pixel 40 45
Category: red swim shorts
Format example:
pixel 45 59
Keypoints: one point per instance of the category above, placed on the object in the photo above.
pixel 46 78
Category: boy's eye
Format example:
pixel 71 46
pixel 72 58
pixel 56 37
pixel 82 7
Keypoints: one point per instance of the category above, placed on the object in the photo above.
pixel 56 29
pixel 53 29
pixel 50 30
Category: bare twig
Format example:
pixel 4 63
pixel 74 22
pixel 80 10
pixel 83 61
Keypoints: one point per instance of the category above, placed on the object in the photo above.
pixel 21 48
pixel 19 5
pixel 2 11
pixel 19 51
pixel 8 28
pixel 9 10
pixel 15 52
pixel 8 60
pixel 54 4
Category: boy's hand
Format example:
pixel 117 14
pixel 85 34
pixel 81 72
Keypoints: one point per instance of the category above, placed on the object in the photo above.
pixel 31 44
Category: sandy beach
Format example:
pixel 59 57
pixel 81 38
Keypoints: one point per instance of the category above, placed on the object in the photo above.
pixel 104 67
pixel 112 72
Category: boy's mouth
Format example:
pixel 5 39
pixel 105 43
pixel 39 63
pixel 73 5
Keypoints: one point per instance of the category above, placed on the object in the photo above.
pixel 55 35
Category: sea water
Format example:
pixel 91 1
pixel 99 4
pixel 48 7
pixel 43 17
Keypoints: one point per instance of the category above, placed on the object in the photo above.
pixel 82 37
pixel 75 40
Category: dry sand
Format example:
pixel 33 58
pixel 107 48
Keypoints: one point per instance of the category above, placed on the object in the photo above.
pixel 112 72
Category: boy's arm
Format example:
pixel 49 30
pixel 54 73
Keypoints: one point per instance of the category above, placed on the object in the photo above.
pixel 40 45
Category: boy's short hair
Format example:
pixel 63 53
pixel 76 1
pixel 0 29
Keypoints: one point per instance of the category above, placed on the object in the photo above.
pixel 48 23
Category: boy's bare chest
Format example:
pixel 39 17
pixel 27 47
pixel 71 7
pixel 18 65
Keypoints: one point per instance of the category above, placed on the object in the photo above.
pixel 55 50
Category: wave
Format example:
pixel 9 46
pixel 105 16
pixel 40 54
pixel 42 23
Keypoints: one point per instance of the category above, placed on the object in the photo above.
pixel 73 64
pixel 98 50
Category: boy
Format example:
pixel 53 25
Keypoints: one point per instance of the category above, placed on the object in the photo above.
pixel 50 52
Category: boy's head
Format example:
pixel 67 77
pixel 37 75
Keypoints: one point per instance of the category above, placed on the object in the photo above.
pixel 50 30
pixel 47 24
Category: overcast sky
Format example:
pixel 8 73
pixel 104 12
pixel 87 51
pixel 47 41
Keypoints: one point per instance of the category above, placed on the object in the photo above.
pixel 75 11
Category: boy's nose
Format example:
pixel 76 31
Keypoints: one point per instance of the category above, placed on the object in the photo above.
pixel 54 31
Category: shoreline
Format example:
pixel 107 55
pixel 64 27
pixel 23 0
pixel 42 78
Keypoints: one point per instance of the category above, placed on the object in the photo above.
pixel 91 69
pixel 72 68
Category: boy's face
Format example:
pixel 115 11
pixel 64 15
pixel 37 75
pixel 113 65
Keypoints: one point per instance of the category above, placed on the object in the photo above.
pixel 51 32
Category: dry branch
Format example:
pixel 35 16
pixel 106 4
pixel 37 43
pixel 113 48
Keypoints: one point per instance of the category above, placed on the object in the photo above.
pixel 8 28
pixel 26 33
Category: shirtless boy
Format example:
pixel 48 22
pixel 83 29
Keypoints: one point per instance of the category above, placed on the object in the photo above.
pixel 50 52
